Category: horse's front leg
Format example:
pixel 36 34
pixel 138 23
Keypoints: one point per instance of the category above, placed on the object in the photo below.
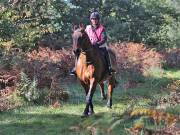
pixel 86 88
pixel 89 105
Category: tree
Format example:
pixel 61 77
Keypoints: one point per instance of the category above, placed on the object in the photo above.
pixel 155 23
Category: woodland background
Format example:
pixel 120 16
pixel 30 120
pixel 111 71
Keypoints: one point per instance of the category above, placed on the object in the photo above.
pixel 37 95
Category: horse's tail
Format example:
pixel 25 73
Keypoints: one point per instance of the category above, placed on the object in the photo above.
pixel 114 80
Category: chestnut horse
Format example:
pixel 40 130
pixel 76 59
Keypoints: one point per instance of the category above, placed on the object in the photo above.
pixel 91 69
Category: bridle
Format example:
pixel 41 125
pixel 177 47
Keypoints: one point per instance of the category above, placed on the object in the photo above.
pixel 80 50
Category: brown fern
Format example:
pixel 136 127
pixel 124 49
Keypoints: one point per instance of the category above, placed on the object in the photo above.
pixel 156 115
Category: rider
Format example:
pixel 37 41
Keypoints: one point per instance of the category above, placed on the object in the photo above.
pixel 98 37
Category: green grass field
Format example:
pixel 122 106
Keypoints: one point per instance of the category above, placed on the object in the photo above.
pixel 66 120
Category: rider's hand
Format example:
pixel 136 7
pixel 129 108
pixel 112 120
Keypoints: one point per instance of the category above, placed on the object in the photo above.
pixel 95 44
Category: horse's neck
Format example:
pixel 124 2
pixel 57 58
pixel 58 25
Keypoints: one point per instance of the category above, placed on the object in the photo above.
pixel 90 52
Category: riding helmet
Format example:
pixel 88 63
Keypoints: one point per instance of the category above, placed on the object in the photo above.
pixel 95 15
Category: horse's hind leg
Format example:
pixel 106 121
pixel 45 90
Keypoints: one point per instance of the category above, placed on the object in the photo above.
pixel 110 91
pixel 103 96
pixel 111 85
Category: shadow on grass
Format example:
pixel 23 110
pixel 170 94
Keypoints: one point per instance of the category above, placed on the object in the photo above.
pixel 36 124
pixel 57 124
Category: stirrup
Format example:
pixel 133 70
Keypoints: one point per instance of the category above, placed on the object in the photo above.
pixel 89 62
pixel 72 72
pixel 111 71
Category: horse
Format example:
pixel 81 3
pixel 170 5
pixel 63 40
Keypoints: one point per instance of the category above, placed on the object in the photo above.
pixel 91 69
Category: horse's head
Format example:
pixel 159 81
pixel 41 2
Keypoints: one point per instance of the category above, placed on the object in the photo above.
pixel 80 39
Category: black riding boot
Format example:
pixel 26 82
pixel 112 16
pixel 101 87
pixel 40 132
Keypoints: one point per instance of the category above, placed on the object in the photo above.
pixel 110 69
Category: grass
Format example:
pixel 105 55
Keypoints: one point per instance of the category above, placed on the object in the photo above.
pixel 46 120
pixel 173 73
pixel 66 120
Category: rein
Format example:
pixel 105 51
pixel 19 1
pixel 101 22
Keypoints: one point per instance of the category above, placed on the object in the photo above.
pixel 85 51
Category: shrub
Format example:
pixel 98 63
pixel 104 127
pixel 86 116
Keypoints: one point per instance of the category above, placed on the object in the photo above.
pixel 135 59
pixel 39 69
pixel 46 63
pixel 27 88
pixel 174 86
pixel 172 58
pixel 163 123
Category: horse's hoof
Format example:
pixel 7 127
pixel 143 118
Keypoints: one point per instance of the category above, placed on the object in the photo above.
pixel 90 113
pixel 109 107
pixel 109 104
pixel 84 116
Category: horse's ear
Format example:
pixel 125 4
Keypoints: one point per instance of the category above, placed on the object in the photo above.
pixel 75 27
pixel 81 25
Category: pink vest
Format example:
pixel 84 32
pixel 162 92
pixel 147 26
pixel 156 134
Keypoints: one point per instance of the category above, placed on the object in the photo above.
pixel 92 36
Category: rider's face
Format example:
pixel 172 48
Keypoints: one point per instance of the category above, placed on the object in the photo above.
pixel 94 21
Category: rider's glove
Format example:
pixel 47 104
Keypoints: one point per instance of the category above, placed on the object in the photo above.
pixel 95 44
